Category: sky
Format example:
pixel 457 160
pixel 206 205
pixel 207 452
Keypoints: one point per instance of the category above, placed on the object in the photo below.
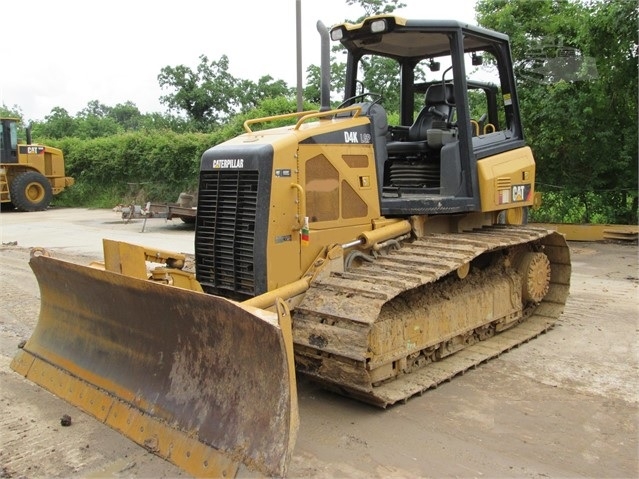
pixel 66 53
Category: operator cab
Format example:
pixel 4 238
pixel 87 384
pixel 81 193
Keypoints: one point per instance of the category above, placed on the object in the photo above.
pixel 9 140
pixel 454 89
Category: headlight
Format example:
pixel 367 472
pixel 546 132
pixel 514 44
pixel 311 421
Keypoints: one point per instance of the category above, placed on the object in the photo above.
pixel 337 34
pixel 378 26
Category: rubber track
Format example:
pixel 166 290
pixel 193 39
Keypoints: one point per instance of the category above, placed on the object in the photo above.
pixel 353 300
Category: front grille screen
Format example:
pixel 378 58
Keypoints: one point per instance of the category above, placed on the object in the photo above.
pixel 225 234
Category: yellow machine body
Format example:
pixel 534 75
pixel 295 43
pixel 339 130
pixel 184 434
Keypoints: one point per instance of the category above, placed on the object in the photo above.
pixel 400 253
pixel 30 173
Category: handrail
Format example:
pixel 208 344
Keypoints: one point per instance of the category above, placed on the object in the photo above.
pixel 489 126
pixel 302 200
pixel 319 114
pixel 305 115
pixel 475 125
pixel 283 116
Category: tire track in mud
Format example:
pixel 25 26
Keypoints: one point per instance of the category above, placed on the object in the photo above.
pixel 418 439
pixel 34 443
pixel 19 312
pixel 595 306
pixel 597 327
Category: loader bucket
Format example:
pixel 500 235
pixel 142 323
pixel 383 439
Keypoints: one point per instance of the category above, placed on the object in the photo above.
pixel 196 379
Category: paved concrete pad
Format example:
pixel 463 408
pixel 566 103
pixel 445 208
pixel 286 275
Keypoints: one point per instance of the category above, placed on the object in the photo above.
pixel 80 230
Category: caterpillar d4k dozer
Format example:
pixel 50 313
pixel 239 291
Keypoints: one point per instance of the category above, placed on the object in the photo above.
pixel 401 251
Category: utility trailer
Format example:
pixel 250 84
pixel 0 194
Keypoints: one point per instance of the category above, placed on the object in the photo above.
pixel 172 210
pixel 184 209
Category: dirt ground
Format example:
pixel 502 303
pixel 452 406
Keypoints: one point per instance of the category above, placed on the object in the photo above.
pixel 563 405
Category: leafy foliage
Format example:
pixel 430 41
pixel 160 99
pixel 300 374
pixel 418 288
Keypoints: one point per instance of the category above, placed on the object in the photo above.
pixel 376 7
pixel 205 95
pixel 164 163
pixel 584 207
pixel 582 125
pixel 210 94
pixel 14 112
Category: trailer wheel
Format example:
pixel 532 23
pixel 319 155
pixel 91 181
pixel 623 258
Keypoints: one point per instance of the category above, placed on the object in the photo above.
pixel 31 191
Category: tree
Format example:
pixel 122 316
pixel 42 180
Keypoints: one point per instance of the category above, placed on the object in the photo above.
pixel 376 7
pixel 94 121
pixel 312 90
pixel 95 108
pixel 250 94
pixel 381 75
pixel 57 124
pixel 581 121
pixel 127 115
pixel 205 95
pixel 14 112
pixel 211 95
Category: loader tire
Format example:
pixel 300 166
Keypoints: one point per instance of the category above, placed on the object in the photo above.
pixel 31 191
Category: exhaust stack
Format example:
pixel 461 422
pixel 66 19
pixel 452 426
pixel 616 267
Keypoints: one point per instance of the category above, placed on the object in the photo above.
pixel 325 68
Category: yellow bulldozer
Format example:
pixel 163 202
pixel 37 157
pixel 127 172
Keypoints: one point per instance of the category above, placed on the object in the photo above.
pixel 30 174
pixel 400 254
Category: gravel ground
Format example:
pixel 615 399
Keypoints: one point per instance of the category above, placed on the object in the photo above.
pixel 562 405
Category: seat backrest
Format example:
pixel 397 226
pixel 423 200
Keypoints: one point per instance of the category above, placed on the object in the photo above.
pixel 439 101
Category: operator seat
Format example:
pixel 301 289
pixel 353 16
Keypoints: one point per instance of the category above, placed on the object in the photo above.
pixel 438 108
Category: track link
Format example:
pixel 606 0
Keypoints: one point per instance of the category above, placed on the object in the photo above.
pixel 345 339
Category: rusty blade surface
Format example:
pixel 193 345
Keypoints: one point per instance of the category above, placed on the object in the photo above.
pixel 198 367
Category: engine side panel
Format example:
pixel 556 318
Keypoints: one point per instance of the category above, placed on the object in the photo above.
pixel 507 180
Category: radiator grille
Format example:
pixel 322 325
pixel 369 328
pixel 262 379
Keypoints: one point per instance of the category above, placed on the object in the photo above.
pixel 225 235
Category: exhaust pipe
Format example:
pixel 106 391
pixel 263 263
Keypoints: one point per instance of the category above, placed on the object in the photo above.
pixel 325 68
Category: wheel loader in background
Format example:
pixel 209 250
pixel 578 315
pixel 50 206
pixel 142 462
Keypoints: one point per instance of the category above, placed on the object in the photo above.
pixel 401 253
pixel 30 174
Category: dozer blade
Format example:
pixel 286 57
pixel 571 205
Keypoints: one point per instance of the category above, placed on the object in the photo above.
pixel 196 379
